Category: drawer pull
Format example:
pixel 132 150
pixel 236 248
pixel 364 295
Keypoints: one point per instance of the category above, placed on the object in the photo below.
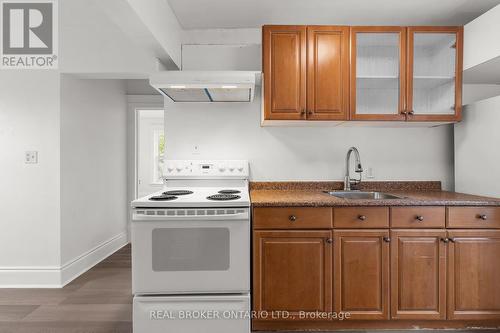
pixel 329 240
pixel 387 239
pixel 452 240
pixel 361 217
pixel 482 217
pixel 419 218
pixel 292 218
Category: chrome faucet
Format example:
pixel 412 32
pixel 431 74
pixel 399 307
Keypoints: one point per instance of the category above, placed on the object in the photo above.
pixel 359 169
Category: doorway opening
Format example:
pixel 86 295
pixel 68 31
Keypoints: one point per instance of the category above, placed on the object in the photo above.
pixel 150 145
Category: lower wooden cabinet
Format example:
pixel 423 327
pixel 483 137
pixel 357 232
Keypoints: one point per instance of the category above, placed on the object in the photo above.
pixel 292 271
pixel 474 274
pixel 361 280
pixel 418 274
pixel 432 276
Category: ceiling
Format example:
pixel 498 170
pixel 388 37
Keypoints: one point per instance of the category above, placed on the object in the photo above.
pixel 211 14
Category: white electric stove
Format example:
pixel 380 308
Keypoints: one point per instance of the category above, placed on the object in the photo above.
pixel 191 250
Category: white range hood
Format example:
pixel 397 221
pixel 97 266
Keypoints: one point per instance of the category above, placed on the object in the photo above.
pixel 206 86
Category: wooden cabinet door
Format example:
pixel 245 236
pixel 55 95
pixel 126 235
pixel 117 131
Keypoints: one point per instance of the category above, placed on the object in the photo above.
pixel 378 73
pixel 435 73
pixel 474 274
pixel 327 72
pixel 292 271
pixel 418 274
pixel 361 273
pixel 284 64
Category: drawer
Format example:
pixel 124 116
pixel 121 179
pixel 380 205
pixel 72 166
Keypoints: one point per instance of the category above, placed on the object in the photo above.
pixel 418 217
pixel 473 217
pixel 292 218
pixel 361 217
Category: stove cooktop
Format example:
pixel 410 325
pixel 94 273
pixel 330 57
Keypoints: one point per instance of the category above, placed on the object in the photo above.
pixel 196 197
pixel 201 183
pixel 178 192
pixel 163 197
pixel 223 197
pixel 229 192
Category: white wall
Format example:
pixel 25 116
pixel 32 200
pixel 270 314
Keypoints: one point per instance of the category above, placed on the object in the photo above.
pixel 476 149
pixel 481 42
pixel 93 165
pixel 227 131
pixel 222 49
pixel 476 92
pixel 163 25
pixel 33 252
pixel 140 87
pixel 29 193
pixel 90 42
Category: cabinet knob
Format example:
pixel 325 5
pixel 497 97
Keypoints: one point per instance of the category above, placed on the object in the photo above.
pixel 329 241
pixel 419 218
pixel 303 113
pixel 482 217
pixel 411 112
pixel 404 112
pixel 387 239
pixel 361 217
pixel 445 240
pixel 309 112
pixel 452 239
pixel 292 218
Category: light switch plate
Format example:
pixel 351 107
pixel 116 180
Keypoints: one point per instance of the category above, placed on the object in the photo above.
pixel 31 157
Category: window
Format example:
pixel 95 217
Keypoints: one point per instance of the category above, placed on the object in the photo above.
pixel 158 155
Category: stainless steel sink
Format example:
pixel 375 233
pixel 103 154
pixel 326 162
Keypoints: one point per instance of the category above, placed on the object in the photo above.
pixel 362 195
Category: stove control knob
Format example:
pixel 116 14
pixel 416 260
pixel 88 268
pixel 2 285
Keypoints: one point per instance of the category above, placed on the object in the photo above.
pixel 222 167
pixel 240 168
pixel 179 168
pixel 231 168
pixel 170 168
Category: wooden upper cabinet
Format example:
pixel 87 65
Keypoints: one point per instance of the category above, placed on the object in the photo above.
pixel 474 275
pixel 284 63
pixel 363 73
pixel 327 72
pixel 361 279
pixel 378 73
pixel 292 271
pixel 418 274
pixel 434 73
pixel 306 72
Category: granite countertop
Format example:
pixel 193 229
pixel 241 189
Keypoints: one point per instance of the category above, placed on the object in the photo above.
pixel 310 194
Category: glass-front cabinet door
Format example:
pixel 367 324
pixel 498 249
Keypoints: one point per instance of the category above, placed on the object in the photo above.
pixel 434 73
pixel 378 73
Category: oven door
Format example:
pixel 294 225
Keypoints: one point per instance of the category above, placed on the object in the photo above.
pixel 190 251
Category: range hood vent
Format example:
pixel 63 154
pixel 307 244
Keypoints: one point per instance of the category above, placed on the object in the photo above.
pixel 206 86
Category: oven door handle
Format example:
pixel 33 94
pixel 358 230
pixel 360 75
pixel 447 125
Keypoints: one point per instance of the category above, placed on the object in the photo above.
pixel 144 216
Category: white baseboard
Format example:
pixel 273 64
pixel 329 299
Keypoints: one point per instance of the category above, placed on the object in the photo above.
pixel 30 277
pixel 76 267
pixel 58 277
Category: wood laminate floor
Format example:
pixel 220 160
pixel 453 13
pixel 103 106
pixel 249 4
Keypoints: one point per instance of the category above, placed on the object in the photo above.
pixel 99 301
